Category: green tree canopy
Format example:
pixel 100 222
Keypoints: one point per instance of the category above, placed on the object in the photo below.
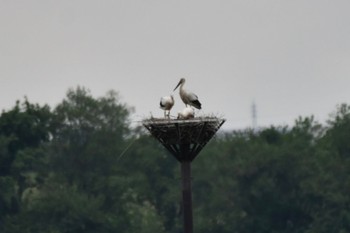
pixel 81 167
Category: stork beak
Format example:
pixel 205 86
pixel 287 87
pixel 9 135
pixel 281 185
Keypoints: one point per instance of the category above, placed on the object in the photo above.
pixel 177 85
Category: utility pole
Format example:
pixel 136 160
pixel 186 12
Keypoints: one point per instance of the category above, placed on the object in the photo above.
pixel 184 139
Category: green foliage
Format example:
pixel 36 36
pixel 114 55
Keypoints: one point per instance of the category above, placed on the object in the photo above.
pixel 22 131
pixel 91 134
pixel 60 208
pixel 81 168
pixel 28 124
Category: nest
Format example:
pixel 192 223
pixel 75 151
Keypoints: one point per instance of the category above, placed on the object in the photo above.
pixel 183 138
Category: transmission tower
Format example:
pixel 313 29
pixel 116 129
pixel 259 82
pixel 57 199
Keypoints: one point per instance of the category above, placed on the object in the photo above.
pixel 254 116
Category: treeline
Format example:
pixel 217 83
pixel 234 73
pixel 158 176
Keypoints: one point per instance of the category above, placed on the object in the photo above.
pixel 81 167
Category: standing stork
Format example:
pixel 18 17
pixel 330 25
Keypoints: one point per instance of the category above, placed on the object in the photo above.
pixel 166 103
pixel 188 97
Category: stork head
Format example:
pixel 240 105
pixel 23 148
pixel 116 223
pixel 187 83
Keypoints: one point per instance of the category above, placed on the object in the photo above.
pixel 182 81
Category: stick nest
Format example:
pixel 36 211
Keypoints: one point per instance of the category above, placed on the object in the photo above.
pixel 183 138
pixel 194 130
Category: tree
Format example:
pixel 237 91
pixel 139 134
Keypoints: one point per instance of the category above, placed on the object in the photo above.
pixel 80 157
pixel 253 181
pixel 91 133
pixel 329 187
pixel 26 126
pixel 22 130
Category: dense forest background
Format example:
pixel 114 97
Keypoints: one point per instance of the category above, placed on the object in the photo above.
pixel 81 167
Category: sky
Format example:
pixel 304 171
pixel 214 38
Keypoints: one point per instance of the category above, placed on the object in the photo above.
pixel 290 57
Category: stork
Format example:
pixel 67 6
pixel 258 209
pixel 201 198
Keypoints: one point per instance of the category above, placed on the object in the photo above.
pixel 188 97
pixel 166 103
pixel 186 113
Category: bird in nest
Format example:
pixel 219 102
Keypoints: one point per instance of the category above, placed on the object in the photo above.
pixel 186 113
pixel 167 103
pixel 189 98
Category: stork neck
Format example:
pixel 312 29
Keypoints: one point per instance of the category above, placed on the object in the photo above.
pixel 181 85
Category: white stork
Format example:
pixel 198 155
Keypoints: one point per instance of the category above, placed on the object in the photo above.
pixel 166 103
pixel 188 97
pixel 186 113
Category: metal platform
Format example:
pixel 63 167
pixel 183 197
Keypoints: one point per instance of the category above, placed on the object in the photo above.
pixel 183 138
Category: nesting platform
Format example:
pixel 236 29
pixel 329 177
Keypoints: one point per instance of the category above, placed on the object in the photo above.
pixel 183 138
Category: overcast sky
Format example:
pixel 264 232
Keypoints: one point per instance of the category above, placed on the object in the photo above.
pixel 292 57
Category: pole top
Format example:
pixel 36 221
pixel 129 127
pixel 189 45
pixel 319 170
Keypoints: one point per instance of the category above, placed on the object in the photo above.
pixel 183 138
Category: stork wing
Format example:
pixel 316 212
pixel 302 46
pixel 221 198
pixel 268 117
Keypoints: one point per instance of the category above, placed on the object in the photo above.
pixel 192 96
